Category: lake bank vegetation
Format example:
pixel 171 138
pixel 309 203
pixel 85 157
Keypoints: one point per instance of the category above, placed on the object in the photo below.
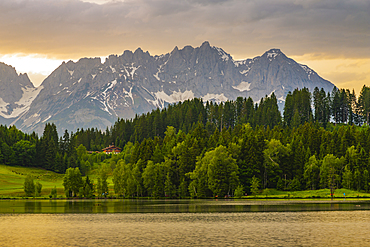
pixel 201 150
pixel 12 180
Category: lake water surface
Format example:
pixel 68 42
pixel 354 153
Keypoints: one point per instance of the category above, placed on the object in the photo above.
pixel 184 223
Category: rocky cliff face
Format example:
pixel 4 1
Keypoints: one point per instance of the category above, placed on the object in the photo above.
pixel 16 94
pixel 91 94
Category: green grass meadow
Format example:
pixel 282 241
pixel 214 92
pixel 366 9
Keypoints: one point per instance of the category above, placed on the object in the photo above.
pixel 12 180
pixel 309 194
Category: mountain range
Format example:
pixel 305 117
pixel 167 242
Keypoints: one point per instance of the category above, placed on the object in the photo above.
pixel 92 94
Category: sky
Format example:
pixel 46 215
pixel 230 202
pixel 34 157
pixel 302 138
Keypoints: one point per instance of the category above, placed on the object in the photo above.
pixel 332 37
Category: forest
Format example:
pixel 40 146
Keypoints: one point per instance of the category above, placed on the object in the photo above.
pixel 203 149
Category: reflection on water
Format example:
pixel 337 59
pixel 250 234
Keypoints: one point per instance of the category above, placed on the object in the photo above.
pixel 318 228
pixel 176 206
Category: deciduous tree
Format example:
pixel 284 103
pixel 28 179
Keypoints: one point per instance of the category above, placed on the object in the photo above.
pixel 29 186
pixel 72 182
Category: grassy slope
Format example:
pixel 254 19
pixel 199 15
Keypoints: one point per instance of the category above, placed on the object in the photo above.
pixel 12 179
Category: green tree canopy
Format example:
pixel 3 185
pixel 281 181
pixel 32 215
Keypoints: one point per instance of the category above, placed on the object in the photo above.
pixel 72 182
pixel 29 186
pixel 219 169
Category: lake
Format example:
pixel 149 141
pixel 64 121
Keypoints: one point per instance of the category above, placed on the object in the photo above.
pixel 184 223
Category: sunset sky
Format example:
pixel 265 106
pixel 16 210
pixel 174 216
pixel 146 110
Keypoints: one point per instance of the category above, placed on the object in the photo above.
pixel 332 37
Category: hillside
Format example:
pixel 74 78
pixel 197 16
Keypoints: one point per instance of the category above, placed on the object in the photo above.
pixel 12 180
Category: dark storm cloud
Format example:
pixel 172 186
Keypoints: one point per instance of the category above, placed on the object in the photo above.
pixel 71 27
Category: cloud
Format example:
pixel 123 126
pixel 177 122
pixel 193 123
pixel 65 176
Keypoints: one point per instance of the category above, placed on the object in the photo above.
pixel 31 63
pixel 72 28
pixel 36 66
pixel 347 77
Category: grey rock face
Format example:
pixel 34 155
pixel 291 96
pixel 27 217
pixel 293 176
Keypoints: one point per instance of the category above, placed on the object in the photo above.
pixel 91 94
pixel 16 94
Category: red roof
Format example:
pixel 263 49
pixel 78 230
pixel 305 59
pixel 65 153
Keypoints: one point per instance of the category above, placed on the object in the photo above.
pixel 111 149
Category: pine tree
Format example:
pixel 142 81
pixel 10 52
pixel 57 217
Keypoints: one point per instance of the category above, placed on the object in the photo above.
pixel 364 103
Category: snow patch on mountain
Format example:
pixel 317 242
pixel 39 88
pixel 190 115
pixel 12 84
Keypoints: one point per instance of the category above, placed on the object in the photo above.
pixel 222 53
pixel 131 70
pixel 175 96
pixel 273 91
pixel 308 71
pixel 156 74
pixel 3 109
pixel 281 99
pixel 130 94
pixel 237 63
pixel 243 86
pixel 112 84
pixel 215 97
pixel 29 94
pixel 46 119
pixel 87 95
pixel 272 55
pixel 244 72
pixel 105 108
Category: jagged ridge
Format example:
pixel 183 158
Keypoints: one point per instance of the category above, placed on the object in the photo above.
pixel 90 93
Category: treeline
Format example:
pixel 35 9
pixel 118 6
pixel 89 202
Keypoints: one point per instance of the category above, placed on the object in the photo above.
pixel 197 149
pixel 339 106
pixel 183 116
pixel 202 164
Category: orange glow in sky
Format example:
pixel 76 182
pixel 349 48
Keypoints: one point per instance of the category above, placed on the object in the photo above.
pixel 332 37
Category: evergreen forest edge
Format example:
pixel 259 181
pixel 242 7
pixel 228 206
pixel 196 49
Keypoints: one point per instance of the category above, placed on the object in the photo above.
pixel 192 149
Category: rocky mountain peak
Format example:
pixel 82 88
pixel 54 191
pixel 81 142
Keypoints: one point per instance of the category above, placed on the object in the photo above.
pixel 8 74
pixel 175 50
pixel 84 63
pixel 139 51
pixel 188 49
pixel 111 59
pixel 89 94
pixel 274 50
pixel 187 52
pixel 16 93
pixel 67 75
pixel 273 54
pixel 140 56
pixel 7 71
pixel 11 83
pixel 205 45
pixel 224 56
pixel 127 54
